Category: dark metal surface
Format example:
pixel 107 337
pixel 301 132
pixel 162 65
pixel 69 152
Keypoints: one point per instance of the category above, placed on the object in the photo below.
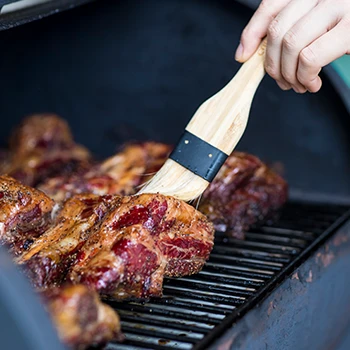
pixel 199 309
pixel 24 325
pixel 35 12
pixel 195 154
pixel 130 69
pixel 309 310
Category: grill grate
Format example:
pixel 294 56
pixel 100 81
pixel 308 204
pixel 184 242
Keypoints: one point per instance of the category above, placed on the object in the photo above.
pixel 197 309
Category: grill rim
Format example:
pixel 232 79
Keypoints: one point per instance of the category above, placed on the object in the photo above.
pixel 265 291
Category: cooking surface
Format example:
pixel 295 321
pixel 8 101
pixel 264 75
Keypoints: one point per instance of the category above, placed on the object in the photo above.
pixel 195 310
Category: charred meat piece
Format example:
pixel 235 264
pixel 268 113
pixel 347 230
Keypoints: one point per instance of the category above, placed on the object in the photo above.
pixel 81 319
pixel 49 258
pixel 142 240
pixel 43 147
pixel 245 192
pixel 25 213
pixel 120 174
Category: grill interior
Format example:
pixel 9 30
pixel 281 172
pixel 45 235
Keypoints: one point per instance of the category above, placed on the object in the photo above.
pixel 197 309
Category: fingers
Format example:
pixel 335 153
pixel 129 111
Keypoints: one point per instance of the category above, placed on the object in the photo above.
pixel 277 30
pixel 321 52
pixel 256 29
pixel 317 22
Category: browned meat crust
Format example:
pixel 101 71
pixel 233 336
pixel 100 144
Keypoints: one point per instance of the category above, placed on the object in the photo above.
pixel 245 192
pixel 120 174
pixel 143 239
pixel 51 255
pixel 80 317
pixel 25 213
pixel 42 147
pixel 120 246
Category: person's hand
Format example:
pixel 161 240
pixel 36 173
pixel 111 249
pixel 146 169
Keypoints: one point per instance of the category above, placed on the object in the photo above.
pixel 303 36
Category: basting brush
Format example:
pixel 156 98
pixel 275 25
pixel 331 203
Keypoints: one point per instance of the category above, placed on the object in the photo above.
pixel 210 136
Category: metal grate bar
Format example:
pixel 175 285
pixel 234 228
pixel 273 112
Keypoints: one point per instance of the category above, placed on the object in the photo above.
pixel 196 309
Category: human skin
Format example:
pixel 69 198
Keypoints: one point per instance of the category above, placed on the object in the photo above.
pixel 302 35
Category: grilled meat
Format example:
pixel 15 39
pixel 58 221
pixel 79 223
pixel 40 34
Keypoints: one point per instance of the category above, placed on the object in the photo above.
pixel 43 147
pixel 51 255
pixel 121 246
pixel 144 239
pixel 80 317
pixel 120 174
pixel 245 192
pixel 25 213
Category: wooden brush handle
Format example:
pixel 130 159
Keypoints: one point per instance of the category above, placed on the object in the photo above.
pixel 222 119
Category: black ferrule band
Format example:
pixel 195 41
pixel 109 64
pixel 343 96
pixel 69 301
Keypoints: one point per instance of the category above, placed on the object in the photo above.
pixel 198 156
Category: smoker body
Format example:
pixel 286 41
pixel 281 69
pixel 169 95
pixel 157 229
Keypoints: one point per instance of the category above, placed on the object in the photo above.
pixel 122 70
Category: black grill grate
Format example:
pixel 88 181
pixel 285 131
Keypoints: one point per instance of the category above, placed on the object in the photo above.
pixel 198 308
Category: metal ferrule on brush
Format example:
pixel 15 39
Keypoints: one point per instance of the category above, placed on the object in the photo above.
pixel 198 156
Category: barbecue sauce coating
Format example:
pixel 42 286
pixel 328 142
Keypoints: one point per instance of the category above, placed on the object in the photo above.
pixel 25 213
pixel 81 319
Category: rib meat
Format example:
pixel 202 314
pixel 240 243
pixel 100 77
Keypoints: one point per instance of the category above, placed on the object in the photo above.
pixel 81 319
pixel 142 240
pixel 120 174
pixel 43 147
pixel 25 213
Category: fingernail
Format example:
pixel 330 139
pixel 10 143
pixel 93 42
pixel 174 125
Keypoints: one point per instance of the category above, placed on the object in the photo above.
pixel 296 89
pixel 283 86
pixel 239 53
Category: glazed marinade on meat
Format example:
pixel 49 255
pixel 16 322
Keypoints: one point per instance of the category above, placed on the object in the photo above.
pixel 49 258
pixel 120 174
pixel 120 246
pixel 245 191
pixel 25 213
pixel 80 318
pixel 99 238
pixel 144 239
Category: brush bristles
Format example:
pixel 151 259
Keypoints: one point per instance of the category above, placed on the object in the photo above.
pixel 175 180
